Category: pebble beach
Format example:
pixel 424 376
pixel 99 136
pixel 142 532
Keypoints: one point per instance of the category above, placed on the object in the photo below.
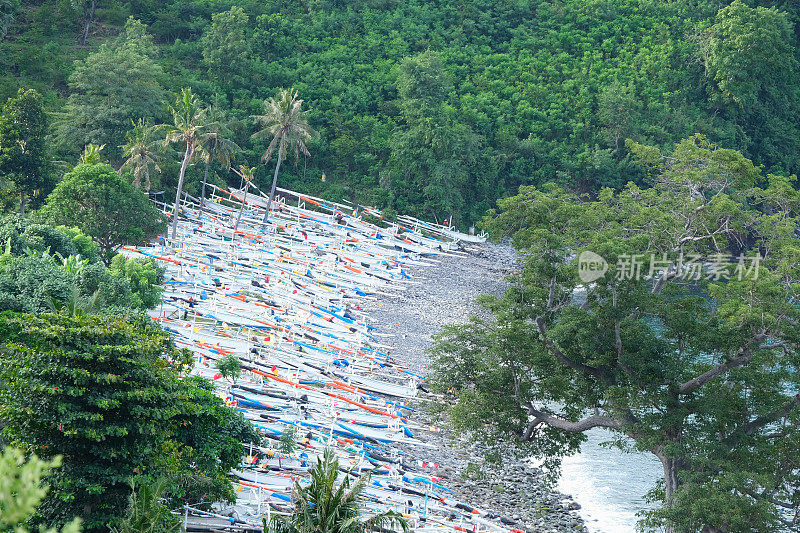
pixel 442 294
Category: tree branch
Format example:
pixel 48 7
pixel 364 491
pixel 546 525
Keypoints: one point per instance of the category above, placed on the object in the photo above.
pixel 761 421
pixel 695 383
pixel 556 422
pixel 551 294
pixel 662 280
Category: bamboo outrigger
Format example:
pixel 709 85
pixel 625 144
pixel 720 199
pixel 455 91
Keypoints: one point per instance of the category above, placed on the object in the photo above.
pixel 285 297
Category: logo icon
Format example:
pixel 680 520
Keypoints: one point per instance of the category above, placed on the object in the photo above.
pixel 591 266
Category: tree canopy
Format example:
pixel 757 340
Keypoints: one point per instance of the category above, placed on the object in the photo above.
pixel 94 390
pixel 226 49
pixel 665 314
pixel 43 268
pixel 105 206
pixel 24 159
pixel 188 130
pixel 103 392
pixel 642 142
pixel 117 84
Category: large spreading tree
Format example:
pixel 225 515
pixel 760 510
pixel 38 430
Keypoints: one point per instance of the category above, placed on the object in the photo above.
pixel 117 84
pixel 94 390
pixel 685 347
pixel 105 206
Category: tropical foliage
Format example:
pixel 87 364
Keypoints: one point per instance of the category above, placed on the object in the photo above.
pixel 141 152
pixel 105 206
pixel 285 123
pixel 147 513
pixel 102 391
pixel 72 382
pixel 114 86
pixel 206 438
pixel 686 347
pixel 216 146
pixel 230 366
pixel 23 153
pixel 437 109
pixel 144 277
pixel 45 268
pixel 22 489
pixel 187 129
pixel 325 506
pixel 535 90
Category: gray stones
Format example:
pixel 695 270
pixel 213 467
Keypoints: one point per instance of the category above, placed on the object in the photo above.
pixel 514 493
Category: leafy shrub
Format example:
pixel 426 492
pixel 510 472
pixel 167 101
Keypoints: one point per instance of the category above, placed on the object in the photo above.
pixel 144 278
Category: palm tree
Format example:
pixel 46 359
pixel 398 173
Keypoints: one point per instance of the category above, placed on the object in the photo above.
pixel 141 153
pixel 246 173
pixel 286 123
pixel 147 512
pixel 324 507
pixel 76 304
pixel 188 126
pixel 91 154
pixel 214 144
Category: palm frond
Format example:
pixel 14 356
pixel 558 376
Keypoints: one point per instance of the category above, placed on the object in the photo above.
pixel 142 152
pixel 188 119
pixel 212 145
pixel 325 506
pixel 386 520
pixel 284 121
pixel 271 148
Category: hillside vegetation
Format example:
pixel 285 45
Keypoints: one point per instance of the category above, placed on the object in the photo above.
pixel 434 108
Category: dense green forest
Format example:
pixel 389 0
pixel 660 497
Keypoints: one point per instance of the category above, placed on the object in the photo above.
pixel 611 127
pixel 427 107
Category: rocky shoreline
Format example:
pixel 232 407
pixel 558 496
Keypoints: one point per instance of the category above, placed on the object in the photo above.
pixel 444 294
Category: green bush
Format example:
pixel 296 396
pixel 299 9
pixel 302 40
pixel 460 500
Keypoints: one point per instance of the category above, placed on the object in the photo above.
pixel 101 391
pixel 144 278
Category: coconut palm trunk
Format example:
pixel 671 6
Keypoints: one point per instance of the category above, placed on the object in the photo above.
pixel 186 157
pixel 213 145
pixel 272 189
pixel 246 174
pixel 188 127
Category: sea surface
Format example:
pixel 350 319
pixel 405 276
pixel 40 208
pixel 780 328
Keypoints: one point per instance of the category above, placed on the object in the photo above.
pixel 608 483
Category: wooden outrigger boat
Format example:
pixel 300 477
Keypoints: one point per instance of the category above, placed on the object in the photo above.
pixel 284 298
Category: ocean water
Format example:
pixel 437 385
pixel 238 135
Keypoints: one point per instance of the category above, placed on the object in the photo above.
pixel 608 483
